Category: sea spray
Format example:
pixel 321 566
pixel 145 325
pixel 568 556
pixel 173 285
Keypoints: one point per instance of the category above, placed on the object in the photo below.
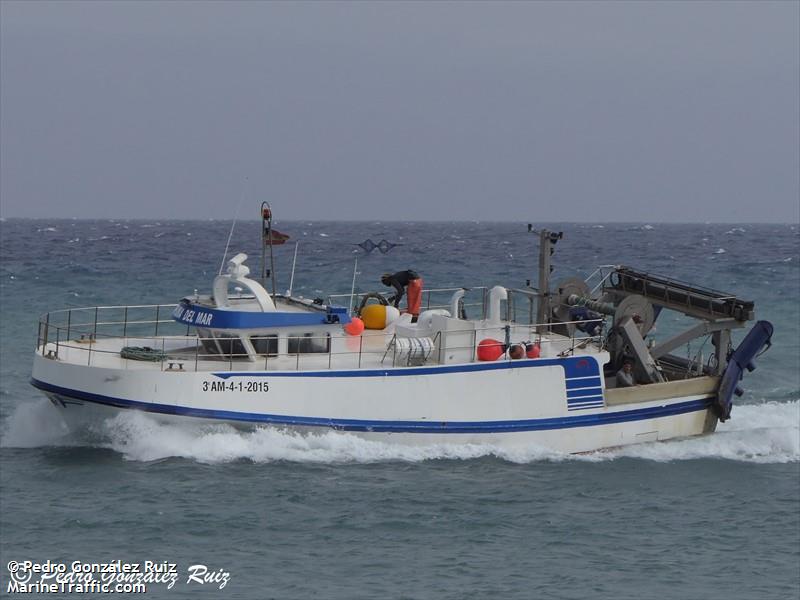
pixel 761 433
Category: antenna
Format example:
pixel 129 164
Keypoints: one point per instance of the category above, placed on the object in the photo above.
pixel 294 262
pixel 353 287
pixel 235 218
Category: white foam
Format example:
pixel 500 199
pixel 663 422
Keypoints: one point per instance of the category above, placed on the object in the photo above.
pixel 34 425
pixel 139 437
pixel 765 433
pixel 720 251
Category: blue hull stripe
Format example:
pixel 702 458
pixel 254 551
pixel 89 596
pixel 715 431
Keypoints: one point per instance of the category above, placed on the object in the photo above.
pixel 583 393
pixel 439 427
pixel 583 405
pixel 574 384
pixel 586 400
pixel 581 367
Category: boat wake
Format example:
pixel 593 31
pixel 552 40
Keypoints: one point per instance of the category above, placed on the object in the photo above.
pixel 763 433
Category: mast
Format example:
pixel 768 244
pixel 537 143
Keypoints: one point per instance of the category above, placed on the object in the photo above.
pixel 266 240
pixel 547 246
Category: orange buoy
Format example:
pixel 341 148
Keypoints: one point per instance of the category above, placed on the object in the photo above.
pixel 533 350
pixel 354 327
pixel 489 349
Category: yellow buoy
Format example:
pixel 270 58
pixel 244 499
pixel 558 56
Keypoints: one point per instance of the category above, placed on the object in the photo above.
pixel 374 316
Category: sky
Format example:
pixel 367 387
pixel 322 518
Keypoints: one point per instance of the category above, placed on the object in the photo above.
pixel 525 111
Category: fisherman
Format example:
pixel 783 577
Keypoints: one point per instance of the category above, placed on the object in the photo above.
pixel 625 375
pixel 586 320
pixel 403 281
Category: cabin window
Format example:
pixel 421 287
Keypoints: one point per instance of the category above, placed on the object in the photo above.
pixel 208 341
pixel 310 343
pixel 224 345
pixel 231 346
pixel 265 344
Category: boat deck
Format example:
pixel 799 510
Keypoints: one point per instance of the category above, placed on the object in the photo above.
pixel 186 353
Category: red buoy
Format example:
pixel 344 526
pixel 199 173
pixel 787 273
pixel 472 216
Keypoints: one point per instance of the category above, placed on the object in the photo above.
pixel 354 327
pixel 489 349
pixel 533 350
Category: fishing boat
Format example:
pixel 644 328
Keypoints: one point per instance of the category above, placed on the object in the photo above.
pixel 533 366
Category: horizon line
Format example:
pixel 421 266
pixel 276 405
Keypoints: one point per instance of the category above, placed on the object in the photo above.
pixel 4 219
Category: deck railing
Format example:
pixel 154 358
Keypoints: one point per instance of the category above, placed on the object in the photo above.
pixel 520 307
pixel 176 347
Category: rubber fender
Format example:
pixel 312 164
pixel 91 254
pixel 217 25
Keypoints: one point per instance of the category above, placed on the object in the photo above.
pixel 758 339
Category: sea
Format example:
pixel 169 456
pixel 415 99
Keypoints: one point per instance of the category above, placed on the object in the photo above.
pixel 269 514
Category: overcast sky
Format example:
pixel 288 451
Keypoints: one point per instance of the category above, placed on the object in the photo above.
pixel 566 111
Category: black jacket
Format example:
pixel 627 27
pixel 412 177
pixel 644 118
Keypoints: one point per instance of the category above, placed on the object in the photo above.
pixel 399 281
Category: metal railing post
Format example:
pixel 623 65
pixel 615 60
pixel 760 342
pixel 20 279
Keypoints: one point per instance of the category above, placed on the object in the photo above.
pixel 530 310
pixel 474 345
pixel 69 322
pixel 125 322
pixel 158 307
pixel 360 345
pixel 46 333
pixel 94 331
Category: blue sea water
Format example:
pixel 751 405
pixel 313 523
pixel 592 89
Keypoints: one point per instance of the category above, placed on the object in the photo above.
pixel 332 516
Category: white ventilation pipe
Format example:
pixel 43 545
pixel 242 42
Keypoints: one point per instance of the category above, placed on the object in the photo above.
pixel 454 301
pixel 496 294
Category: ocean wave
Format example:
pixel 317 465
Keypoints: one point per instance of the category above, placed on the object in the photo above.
pixel 764 433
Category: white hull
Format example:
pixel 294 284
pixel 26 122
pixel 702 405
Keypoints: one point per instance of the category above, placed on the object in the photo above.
pixel 544 402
